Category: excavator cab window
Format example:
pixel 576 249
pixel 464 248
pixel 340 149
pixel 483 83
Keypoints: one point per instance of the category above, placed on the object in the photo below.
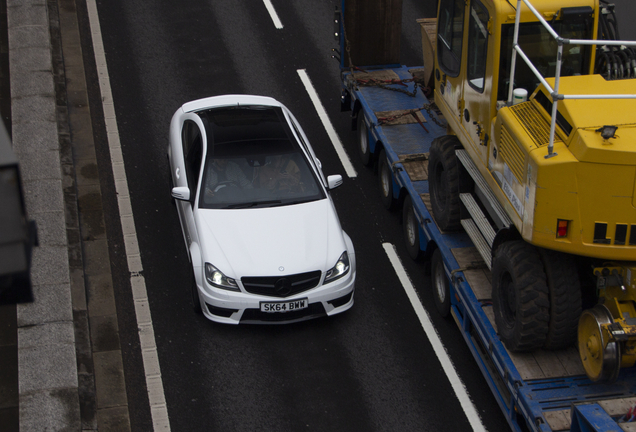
pixel 541 48
pixel 449 36
pixel 477 45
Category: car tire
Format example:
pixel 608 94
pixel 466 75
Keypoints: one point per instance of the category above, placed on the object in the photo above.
pixel 410 227
pixel 385 182
pixel 520 296
pixel 194 291
pixel 440 285
pixel 447 179
pixel 364 150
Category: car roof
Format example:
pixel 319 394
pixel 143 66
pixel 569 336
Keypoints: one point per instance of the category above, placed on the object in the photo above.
pixel 229 100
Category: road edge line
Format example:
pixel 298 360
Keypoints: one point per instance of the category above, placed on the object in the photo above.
pixel 150 358
pixel 431 333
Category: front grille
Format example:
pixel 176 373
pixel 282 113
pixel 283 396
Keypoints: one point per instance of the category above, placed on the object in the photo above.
pixel 314 310
pixel 620 235
pixel 534 123
pixel 281 286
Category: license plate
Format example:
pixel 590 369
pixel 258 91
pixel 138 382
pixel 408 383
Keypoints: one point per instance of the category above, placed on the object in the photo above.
pixel 288 306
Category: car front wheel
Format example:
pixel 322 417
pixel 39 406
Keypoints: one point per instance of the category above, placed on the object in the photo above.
pixel 196 301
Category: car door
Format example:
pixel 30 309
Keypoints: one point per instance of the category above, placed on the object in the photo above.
pixel 188 152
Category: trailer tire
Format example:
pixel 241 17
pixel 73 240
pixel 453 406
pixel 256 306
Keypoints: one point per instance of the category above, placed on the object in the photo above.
pixel 447 178
pixel 385 182
pixel 565 299
pixel 410 229
pixel 520 296
pixel 364 150
pixel 440 285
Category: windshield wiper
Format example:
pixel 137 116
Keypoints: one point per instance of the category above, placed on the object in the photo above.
pixel 299 201
pixel 253 204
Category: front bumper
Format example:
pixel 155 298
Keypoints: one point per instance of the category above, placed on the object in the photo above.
pixel 232 307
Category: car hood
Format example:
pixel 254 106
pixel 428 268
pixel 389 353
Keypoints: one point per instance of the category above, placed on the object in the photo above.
pixel 271 241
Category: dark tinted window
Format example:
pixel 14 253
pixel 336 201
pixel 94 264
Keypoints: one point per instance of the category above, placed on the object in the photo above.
pixel 449 36
pixel 254 160
pixel 477 45
pixel 192 151
pixel 541 48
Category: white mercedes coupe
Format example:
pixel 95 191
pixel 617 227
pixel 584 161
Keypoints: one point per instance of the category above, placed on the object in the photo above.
pixel 258 221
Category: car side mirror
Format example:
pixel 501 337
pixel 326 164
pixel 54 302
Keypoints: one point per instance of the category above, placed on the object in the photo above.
pixel 181 193
pixel 333 181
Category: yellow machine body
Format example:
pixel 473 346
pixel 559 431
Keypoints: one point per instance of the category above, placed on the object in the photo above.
pixel 588 183
pixel 574 192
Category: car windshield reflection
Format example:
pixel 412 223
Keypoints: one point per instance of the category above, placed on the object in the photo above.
pixel 254 160
pixel 233 183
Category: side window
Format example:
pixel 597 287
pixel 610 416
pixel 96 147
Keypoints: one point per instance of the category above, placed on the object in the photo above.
pixel 477 45
pixel 450 32
pixel 192 151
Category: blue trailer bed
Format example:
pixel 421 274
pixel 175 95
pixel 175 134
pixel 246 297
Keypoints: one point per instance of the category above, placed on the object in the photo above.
pixel 539 391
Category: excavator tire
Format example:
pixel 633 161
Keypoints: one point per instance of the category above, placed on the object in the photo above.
pixel 520 296
pixel 565 299
pixel 447 178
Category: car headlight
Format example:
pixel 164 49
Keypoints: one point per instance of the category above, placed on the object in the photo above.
pixel 217 279
pixel 339 270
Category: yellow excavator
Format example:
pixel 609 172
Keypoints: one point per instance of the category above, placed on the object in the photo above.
pixel 539 167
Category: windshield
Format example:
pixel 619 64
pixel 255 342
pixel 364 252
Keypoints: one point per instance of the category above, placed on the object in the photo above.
pixel 541 48
pixel 253 160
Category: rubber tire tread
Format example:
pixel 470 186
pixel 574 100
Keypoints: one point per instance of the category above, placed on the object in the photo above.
pixel 388 201
pixel 365 157
pixel 443 307
pixel 530 327
pixel 413 249
pixel 565 299
pixel 442 152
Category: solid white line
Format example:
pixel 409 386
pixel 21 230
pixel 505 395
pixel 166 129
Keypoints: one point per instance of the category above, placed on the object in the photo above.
pixel 333 135
pixel 456 382
pixel 154 383
pixel 273 14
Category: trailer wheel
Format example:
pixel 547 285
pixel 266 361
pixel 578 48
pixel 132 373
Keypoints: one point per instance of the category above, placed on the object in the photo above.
pixel 520 296
pixel 385 182
pixel 565 298
pixel 447 179
pixel 439 281
pixel 196 301
pixel 411 229
pixel 363 141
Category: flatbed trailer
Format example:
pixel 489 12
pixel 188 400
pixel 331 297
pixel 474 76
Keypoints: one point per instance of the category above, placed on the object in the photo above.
pixel 538 391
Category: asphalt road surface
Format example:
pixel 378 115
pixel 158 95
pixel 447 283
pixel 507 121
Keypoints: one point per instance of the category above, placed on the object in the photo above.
pixel 369 369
